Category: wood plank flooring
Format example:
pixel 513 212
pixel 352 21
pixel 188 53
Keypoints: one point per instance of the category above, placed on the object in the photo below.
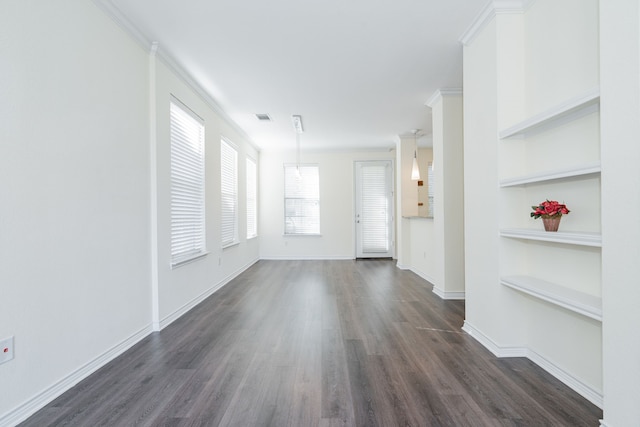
pixel 318 343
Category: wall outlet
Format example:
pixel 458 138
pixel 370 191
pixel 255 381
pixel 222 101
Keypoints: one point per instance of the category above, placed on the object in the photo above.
pixel 6 349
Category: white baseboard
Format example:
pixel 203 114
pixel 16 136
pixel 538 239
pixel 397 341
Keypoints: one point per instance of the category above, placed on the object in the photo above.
pixel 40 400
pixel 46 396
pixel 306 258
pixel 422 275
pixel 574 383
pixel 497 350
pixel 448 295
pixel 167 320
pixel 441 293
pixel 578 386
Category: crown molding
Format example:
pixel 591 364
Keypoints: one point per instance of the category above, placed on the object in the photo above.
pixel 493 8
pixel 178 70
pixel 153 48
pixel 441 93
pixel 123 22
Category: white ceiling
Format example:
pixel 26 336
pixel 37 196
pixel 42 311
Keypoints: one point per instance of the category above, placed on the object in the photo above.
pixel 358 71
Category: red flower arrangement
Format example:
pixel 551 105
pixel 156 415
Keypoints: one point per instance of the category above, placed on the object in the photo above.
pixel 549 209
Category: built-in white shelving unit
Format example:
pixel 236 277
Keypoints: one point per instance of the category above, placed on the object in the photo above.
pixel 539 140
pixel 569 238
pixel 570 299
pixel 525 281
pixel 568 110
pixel 574 172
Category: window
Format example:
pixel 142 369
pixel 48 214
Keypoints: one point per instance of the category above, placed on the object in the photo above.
pixel 301 199
pixel 187 184
pixel 252 217
pixel 229 192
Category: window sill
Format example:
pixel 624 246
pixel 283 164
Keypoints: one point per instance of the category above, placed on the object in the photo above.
pixel 230 245
pixel 188 260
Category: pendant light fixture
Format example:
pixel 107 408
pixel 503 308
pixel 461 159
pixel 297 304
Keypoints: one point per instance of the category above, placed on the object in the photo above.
pixel 415 170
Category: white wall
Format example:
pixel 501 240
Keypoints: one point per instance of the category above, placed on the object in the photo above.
pixel 84 183
pixel 74 191
pixel 620 109
pixel 560 59
pixel 337 228
pixel 421 253
pixel 498 327
pixel 515 68
pixel 181 288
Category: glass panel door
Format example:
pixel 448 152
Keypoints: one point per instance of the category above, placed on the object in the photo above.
pixel 374 209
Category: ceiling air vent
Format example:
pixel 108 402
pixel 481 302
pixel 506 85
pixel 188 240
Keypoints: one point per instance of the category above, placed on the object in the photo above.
pixel 263 117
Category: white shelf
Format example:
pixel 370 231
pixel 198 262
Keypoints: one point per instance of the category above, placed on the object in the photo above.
pixel 570 238
pixel 581 171
pixel 566 110
pixel 576 301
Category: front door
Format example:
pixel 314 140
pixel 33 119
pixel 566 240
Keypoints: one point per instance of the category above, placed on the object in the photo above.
pixel 374 209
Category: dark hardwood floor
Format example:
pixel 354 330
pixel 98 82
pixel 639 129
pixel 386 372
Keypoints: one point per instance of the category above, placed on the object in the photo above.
pixel 318 343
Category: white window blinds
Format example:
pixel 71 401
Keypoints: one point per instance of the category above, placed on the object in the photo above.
pixel 229 193
pixel 301 199
pixel 252 217
pixel 375 216
pixel 187 185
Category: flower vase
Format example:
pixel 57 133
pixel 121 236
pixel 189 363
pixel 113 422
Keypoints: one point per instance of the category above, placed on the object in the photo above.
pixel 551 223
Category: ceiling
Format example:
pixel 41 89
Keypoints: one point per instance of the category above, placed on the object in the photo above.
pixel 358 71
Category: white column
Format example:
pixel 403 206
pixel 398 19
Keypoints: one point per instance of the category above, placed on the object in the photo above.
pixel 448 215
pixel 620 155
